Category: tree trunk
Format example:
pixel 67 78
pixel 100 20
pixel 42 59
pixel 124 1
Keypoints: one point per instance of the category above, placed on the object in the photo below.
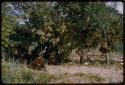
pixel 107 58
pixel 81 58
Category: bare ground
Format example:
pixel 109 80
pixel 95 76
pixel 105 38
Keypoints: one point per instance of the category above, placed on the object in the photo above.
pixel 110 74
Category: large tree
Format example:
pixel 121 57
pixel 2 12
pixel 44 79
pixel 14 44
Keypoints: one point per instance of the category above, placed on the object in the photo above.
pixel 69 25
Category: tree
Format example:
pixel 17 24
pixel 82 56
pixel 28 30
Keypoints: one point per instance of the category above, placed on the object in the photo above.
pixel 68 25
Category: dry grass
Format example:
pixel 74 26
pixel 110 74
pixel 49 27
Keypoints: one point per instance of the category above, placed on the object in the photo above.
pixel 79 78
pixel 13 73
pixel 94 78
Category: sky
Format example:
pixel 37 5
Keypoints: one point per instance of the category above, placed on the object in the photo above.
pixel 119 6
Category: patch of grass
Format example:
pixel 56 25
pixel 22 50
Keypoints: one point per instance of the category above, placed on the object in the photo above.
pixel 95 78
pixel 44 77
pixel 80 74
pixel 61 78
pixel 16 73
pixel 98 63
pixel 92 77
pixel 70 64
pixel 118 65
pixel 66 73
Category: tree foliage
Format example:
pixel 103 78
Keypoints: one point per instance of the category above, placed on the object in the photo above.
pixel 69 25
